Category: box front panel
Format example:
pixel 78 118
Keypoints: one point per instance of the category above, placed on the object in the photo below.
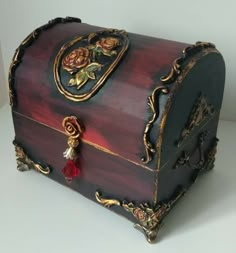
pixel 110 174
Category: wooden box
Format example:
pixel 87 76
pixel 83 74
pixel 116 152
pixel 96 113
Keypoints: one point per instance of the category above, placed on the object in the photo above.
pixel 127 120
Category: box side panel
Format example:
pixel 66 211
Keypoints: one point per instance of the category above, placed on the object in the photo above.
pixel 112 175
pixel 196 97
pixel 191 124
pixel 174 175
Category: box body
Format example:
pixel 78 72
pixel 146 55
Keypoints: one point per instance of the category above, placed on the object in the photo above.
pixel 146 110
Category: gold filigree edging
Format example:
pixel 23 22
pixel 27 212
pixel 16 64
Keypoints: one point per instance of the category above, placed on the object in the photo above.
pixel 17 58
pixel 177 70
pixel 152 103
pixel 25 163
pixel 177 66
pixel 149 218
pixel 201 110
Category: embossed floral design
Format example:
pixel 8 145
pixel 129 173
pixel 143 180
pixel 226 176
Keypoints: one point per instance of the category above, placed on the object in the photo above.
pixel 140 214
pixel 107 45
pixel 83 62
pixel 76 59
pixel 85 74
pixel 72 126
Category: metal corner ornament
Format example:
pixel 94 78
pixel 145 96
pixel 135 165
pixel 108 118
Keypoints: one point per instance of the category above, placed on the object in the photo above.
pixel 148 217
pixel 83 64
pixel 25 163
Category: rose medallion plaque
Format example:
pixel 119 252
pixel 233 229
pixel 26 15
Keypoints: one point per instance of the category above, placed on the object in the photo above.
pixel 83 64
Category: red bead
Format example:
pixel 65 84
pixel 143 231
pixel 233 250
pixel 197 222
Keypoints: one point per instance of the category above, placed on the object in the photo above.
pixel 70 170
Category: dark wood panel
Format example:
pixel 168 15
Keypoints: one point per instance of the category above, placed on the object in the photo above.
pixel 99 170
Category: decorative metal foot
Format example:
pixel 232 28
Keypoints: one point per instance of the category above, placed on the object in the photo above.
pixel 150 234
pixel 24 163
pixel 149 218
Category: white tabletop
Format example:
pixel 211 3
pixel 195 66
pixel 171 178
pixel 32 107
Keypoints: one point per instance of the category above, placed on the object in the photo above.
pixel 39 215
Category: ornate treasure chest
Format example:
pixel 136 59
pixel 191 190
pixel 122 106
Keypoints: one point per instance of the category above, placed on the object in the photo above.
pixel 129 121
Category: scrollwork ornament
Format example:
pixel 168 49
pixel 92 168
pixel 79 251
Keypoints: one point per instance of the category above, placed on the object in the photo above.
pixel 25 163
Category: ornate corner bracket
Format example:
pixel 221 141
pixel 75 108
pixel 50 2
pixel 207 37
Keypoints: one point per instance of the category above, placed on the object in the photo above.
pixel 177 69
pixel 19 53
pixel 24 162
pixel 149 218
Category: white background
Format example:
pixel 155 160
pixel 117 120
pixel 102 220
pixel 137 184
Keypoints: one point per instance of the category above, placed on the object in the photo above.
pixel 182 20
pixel 37 215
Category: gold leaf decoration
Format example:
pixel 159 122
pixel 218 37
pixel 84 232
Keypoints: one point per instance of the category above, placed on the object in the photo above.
pixel 24 162
pixel 106 202
pixel 148 217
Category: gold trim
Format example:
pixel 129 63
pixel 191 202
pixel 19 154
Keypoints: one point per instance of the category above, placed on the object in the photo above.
pixel 152 103
pixel 177 65
pixel 15 62
pixel 200 112
pixel 96 146
pixel 24 162
pixel 27 42
pixel 106 202
pixel 148 217
pixel 98 85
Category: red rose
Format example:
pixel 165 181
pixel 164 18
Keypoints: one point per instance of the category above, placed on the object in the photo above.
pixel 107 44
pixel 78 58
pixel 140 214
pixel 72 126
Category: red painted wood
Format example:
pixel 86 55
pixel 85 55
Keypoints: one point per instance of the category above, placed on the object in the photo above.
pixel 99 170
pixel 114 118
